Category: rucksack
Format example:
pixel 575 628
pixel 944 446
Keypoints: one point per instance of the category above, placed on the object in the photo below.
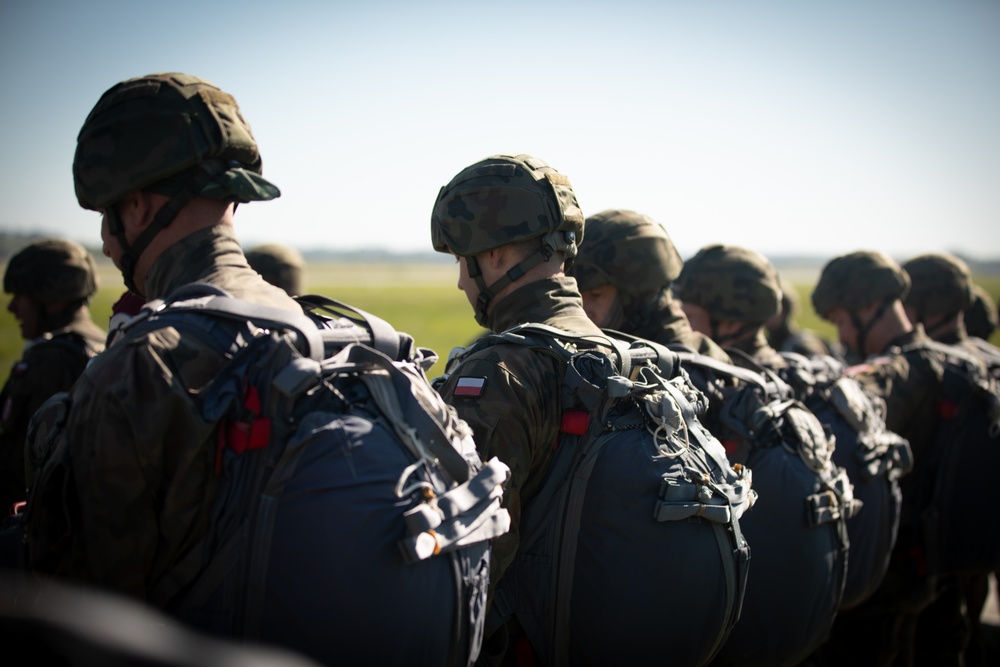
pixel 797 529
pixel 631 553
pixel 352 517
pixel 873 457
pixel 960 530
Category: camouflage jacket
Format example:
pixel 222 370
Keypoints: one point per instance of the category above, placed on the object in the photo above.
pixel 666 324
pixel 49 364
pixel 515 413
pixel 128 482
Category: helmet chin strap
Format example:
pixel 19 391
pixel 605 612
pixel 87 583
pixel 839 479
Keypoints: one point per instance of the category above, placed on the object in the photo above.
pixel 562 241
pixel 733 338
pixel 864 329
pixel 486 293
pixel 131 252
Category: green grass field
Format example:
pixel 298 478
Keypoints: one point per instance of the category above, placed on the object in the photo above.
pixel 421 300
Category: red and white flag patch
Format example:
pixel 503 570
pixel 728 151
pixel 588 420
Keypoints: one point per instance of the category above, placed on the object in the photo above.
pixel 470 386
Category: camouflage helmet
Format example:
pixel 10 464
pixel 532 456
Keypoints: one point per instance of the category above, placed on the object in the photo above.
pixel 858 279
pixel 279 265
pixel 981 318
pixel 731 283
pixel 939 285
pixel 145 130
pixel 506 199
pixel 52 270
pixel 627 250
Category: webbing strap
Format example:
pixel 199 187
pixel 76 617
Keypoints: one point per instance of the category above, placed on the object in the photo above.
pixel 457 501
pixel 384 337
pixel 210 300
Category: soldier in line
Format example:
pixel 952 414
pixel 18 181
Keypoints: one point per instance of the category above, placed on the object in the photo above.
pixel 280 265
pixel 511 273
pixel 124 492
pixel 51 282
pixel 729 293
pixel 624 274
pixel 862 295
pixel 632 280
pixel 941 293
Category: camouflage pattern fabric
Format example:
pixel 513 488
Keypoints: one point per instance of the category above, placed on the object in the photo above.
pixel 662 321
pixel 148 129
pixel 940 284
pixel 733 284
pixel 510 396
pixel 127 488
pixel 500 200
pixel 627 250
pixel 50 364
pixel 52 270
pixel 858 279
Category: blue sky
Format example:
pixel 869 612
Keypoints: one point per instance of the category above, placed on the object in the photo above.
pixel 785 126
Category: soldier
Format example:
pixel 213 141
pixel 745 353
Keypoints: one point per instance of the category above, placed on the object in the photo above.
pixel 862 295
pixel 51 281
pixel 279 265
pixel 981 316
pixel 729 293
pixel 512 272
pixel 626 269
pixel 941 293
pixel 624 274
pixel 125 489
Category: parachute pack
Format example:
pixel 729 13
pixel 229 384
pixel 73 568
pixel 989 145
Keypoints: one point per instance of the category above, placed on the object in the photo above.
pixel 797 529
pixel 352 506
pixel 961 532
pixel 873 457
pixel 632 551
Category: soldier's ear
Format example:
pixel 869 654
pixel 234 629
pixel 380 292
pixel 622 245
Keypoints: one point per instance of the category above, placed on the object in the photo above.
pixel 136 210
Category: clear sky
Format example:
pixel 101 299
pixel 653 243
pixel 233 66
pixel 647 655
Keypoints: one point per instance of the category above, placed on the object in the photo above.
pixel 787 126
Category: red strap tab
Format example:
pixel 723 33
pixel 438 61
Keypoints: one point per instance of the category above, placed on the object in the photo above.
pixel 575 422
pixel 253 432
pixel 731 446
pixel 947 409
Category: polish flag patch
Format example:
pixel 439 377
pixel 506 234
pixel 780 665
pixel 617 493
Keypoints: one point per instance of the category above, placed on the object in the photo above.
pixel 470 386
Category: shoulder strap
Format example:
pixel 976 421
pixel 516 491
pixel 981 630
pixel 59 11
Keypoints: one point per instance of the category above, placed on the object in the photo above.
pixel 210 300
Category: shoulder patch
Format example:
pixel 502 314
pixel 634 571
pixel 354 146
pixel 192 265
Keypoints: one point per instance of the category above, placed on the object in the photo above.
pixel 470 386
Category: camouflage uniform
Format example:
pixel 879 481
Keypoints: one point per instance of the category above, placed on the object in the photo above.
pixel 517 416
pixel 48 271
pixel 125 485
pixel 634 254
pixel 881 630
pixel 513 405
